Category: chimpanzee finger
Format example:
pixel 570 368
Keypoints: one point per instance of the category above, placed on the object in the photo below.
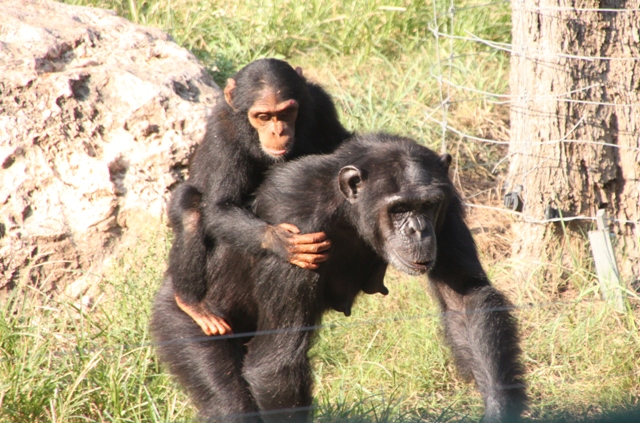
pixel 310 248
pixel 312 238
pixel 303 264
pixel 226 326
pixel 212 324
pixel 222 328
pixel 289 228
pixel 310 258
pixel 204 325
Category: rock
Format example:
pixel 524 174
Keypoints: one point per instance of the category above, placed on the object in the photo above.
pixel 98 118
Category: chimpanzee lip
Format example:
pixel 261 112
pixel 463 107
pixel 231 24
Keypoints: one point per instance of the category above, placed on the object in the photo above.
pixel 415 266
pixel 275 152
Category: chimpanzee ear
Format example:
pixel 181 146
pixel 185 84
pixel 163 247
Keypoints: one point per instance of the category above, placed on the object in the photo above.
pixel 351 182
pixel 299 71
pixel 445 160
pixel 228 91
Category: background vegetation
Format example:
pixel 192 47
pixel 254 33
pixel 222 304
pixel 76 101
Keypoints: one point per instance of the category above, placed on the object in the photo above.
pixel 65 362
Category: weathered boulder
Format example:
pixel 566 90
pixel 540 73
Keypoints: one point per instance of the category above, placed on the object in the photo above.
pixel 98 117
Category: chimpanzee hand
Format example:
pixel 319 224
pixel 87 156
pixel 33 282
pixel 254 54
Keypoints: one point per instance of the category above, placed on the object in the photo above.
pixel 302 250
pixel 209 322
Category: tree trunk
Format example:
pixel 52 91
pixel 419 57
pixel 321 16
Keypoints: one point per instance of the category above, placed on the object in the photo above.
pixel 575 123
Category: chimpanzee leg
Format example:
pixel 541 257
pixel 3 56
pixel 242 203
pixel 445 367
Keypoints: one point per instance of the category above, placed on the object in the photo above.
pixel 209 367
pixel 478 325
pixel 188 255
pixel 277 365
pixel 278 371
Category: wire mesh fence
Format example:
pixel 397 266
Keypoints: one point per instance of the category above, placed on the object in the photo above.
pixel 455 45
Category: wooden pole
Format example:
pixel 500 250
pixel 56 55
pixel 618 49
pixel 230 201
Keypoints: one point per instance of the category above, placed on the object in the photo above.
pixel 605 261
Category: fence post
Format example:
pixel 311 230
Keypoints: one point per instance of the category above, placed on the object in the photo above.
pixel 605 261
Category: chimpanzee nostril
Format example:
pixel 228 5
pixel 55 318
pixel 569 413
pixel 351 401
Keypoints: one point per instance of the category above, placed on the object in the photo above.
pixel 417 223
pixel 409 228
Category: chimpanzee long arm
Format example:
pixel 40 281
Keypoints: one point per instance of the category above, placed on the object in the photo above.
pixel 227 191
pixel 226 215
pixel 478 323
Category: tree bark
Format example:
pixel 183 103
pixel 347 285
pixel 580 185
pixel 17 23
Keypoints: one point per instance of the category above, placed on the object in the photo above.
pixel 575 122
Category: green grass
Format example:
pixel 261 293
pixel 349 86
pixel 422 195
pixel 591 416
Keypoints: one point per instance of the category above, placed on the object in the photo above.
pixel 60 361
pixel 63 362
pixel 377 57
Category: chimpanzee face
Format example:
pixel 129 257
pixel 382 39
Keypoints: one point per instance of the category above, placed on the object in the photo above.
pixel 399 209
pixel 272 116
pixel 275 121
pixel 407 229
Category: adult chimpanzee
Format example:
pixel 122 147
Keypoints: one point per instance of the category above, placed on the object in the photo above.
pixel 380 199
pixel 270 114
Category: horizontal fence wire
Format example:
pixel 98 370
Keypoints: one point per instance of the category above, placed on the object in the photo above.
pixel 125 349
pixel 452 93
pixel 449 93
pixel 330 326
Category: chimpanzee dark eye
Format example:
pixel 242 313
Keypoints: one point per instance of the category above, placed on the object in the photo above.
pixel 427 207
pixel 263 117
pixel 400 208
pixel 288 115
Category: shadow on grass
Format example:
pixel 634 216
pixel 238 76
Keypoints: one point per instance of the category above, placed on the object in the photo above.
pixel 615 416
pixel 360 413
pixel 389 411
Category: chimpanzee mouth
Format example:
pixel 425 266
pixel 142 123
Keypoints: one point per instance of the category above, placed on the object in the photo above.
pixel 414 267
pixel 274 152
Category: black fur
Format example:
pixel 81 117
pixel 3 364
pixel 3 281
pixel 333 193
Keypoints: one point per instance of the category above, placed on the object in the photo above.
pixel 229 165
pixel 369 197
